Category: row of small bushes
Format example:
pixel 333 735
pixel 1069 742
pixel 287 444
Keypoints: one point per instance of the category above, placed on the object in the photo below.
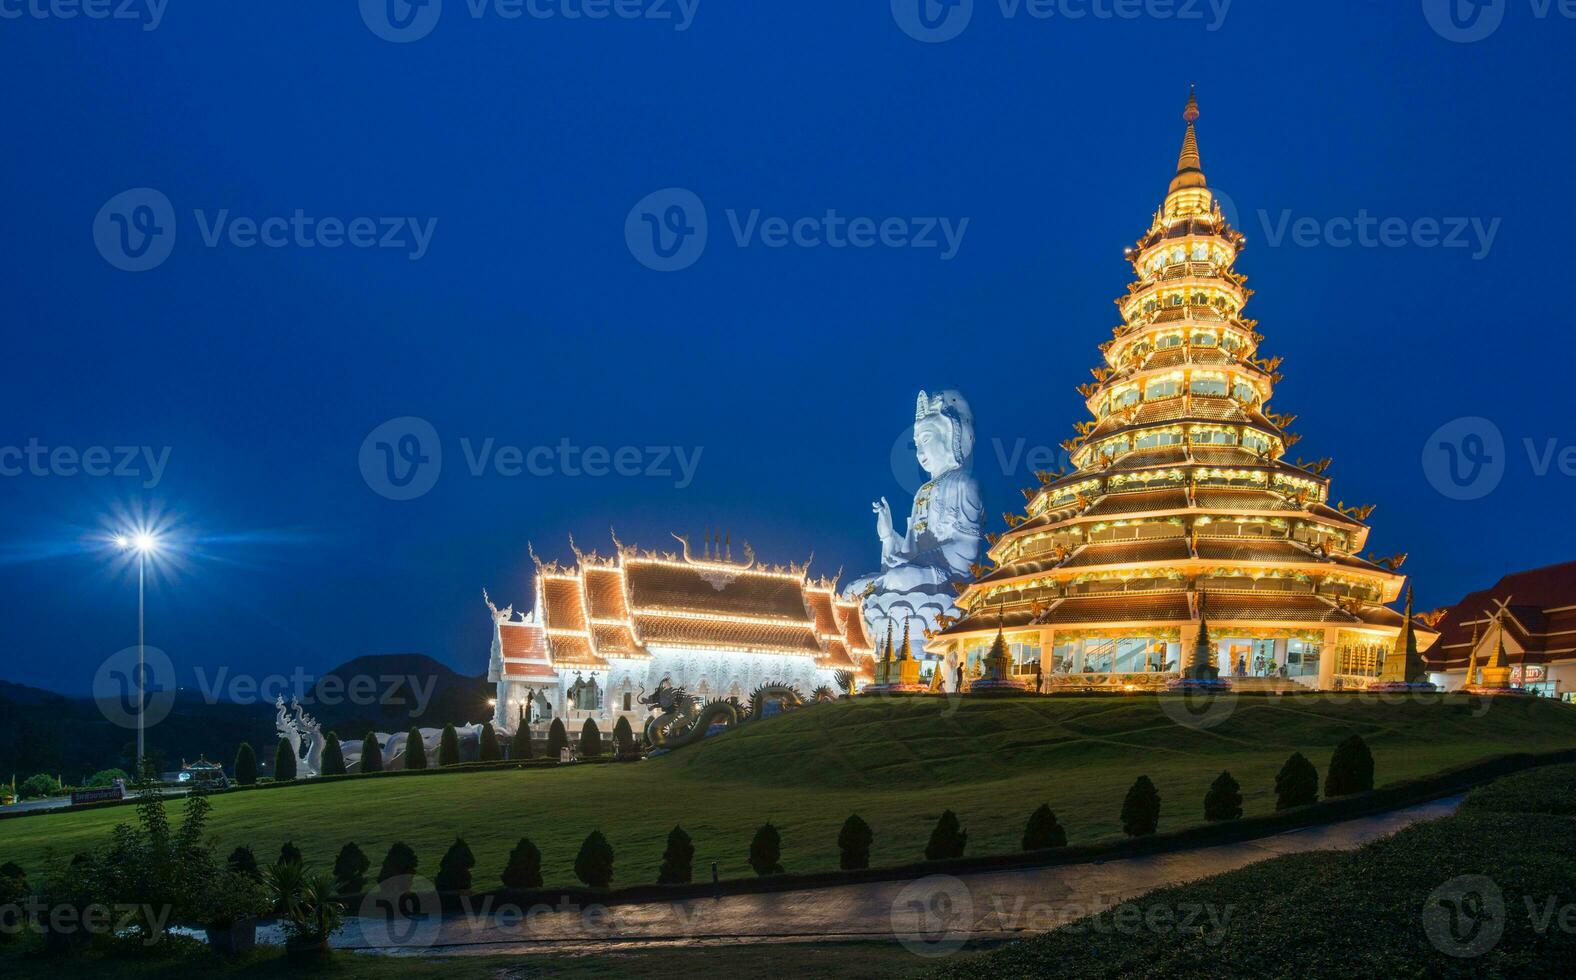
pixel 489 749
pixel 42 785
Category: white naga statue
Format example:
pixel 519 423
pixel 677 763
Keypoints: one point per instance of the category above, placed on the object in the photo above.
pixel 944 535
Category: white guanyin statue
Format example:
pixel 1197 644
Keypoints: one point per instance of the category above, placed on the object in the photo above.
pixel 944 535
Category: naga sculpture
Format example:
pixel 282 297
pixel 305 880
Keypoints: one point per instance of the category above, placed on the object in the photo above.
pixel 300 729
pixel 679 718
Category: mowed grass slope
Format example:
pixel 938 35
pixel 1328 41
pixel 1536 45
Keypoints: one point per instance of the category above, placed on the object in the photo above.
pixel 897 763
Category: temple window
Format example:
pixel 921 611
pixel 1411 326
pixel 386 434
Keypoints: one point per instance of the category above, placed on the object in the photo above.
pixel 1124 397
pixel 1214 437
pixel 1149 440
pixel 1245 393
pixel 1258 442
pixel 1025 655
pixel 1204 339
pixel 1158 388
pixel 1200 251
pixel 1302 658
pixel 1211 387
pixel 1168 341
pixel 629 702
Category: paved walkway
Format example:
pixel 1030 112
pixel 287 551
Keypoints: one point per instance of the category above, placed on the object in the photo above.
pixel 937 909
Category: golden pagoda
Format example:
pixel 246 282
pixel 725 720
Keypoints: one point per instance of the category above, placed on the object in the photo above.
pixel 1404 669
pixel 1180 485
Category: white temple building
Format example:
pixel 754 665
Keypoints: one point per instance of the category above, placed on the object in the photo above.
pixel 607 631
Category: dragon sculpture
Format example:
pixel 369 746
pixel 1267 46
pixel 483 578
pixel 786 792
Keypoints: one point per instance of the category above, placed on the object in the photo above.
pixel 679 718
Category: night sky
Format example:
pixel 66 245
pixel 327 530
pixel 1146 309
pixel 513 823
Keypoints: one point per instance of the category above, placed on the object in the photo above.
pixel 528 320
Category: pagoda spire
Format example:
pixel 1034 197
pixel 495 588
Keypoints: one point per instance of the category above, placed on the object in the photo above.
pixel 1472 659
pixel 904 654
pixel 1190 170
pixel 1404 664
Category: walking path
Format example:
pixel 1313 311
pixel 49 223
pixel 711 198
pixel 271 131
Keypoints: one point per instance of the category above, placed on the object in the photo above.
pixel 929 912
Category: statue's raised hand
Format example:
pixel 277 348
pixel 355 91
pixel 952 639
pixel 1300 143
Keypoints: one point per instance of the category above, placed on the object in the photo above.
pixel 883 512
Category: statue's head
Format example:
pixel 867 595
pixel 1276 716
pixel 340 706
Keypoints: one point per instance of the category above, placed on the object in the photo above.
pixel 943 432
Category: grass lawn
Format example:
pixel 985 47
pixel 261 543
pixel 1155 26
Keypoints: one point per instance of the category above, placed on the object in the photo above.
pixel 1488 892
pixel 898 763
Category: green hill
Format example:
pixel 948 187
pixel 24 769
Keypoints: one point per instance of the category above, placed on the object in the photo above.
pixel 898 763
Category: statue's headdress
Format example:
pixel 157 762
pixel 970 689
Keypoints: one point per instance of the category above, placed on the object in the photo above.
pixel 951 406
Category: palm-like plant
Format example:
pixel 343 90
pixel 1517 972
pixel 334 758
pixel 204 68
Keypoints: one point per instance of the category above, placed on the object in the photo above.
pixel 307 901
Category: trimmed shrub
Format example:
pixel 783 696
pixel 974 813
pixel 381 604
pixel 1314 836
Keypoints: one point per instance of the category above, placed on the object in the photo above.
pixel 594 863
pixel 853 844
pixel 766 850
pixel 350 870
pixel 1043 831
pixel 246 765
pixel 242 861
pixel 590 740
pixel 454 869
pixel 947 840
pixel 333 756
pixel 557 739
pixel 1351 768
pixel 449 746
pixel 520 745
pixel 487 749
pixel 400 860
pixel 1224 799
pixel 623 738
pixel 105 778
pixel 289 854
pixel 1141 808
pixel 676 860
pixel 1297 784
pixel 415 750
pixel 34 787
pixel 284 762
pixel 524 868
pixel 371 753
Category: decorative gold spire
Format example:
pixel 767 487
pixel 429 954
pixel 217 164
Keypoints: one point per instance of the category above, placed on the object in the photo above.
pixel 1472 660
pixel 1190 170
pixel 1404 665
pixel 904 654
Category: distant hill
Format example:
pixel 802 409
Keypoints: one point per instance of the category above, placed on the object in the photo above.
pixel 41 731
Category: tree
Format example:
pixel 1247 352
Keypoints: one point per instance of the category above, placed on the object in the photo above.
pixel 400 861
pixel 623 738
pixel 350 870
pixel 520 745
pixel 853 844
pixel 415 750
pixel 105 778
pixel 947 840
pixel 449 746
pixel 766 850
pixel 524 868
pixel 1351 768
pixel 590 740
pixel 594 863
pixel 1224 799
pixel 487 749
pixel 1141 808
pixel 454 869
pixel 290 854
pixel 371 753
pixel 1043 830
pixel 242 861
pixel 246 765
pixel 1297 784
pixel 40 785
pixel 557 739
pixel 333 756
pixel 676 859
pixel 284 762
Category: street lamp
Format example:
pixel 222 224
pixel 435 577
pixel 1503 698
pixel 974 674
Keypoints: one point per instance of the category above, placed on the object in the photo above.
pixel 144 543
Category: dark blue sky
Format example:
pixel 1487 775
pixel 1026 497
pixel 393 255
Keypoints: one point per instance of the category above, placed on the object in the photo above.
pixel 528 320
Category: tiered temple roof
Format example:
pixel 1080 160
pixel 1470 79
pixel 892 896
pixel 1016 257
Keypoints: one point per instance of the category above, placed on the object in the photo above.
pixel 1539 620
pixel 617 607
pixel 1180 484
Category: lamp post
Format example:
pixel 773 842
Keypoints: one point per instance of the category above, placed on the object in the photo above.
pixel 143 543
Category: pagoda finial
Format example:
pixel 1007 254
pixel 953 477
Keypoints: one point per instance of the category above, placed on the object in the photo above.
pixel 1472 659
pixel 886 655
pixel 1190 170
pixel 904 654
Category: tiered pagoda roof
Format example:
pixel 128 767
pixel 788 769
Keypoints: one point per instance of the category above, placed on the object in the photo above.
pixel 1180 483
pixel 1538 617
pixel 618 607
